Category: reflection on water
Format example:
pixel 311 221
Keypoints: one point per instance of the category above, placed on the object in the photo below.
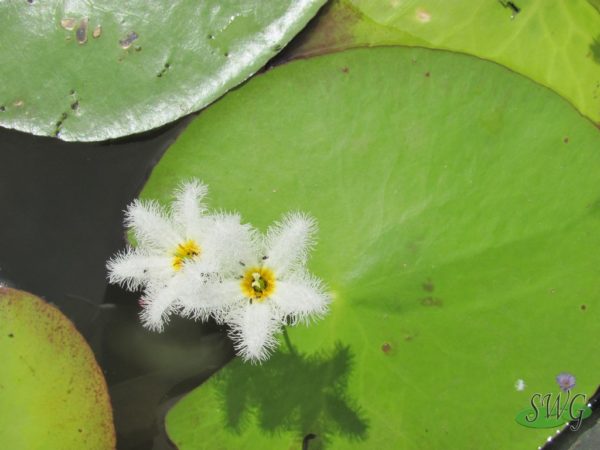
pixel 292 392
pixel 147 372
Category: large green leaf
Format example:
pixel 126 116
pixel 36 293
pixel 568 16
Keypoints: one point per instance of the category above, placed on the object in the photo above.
pixel 554 42
pixel 97 70
pixel 459 230
pixel 53 393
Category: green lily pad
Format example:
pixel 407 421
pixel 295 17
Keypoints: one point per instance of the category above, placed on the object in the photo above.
pixel 458 205
pixel 90 71
pixel 53 393
pixel 553 42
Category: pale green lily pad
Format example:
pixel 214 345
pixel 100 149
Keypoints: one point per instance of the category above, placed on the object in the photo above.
pixel 553 42
pixel 90 71
pixel 459 232
pixel 53 392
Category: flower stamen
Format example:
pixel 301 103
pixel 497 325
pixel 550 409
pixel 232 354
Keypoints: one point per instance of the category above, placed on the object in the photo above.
pixel 258 283
pixel 185 252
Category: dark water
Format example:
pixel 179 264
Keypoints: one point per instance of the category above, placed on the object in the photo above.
pixel 62 210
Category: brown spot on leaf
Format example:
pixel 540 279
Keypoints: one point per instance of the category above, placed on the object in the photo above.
pixel 386 347
pixel 427 74
pixel 566 140
pixel 164 70
pixel 59 124
pixel 428 285
pixel 97 32
pixel 345 70
pixel 432 301
pixel 413 247
pixel 583 307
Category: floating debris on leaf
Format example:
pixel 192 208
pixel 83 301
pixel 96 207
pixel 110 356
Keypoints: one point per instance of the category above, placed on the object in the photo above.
pixel 67 23
pixel 126 43
pixel 97 32
pixel 81 32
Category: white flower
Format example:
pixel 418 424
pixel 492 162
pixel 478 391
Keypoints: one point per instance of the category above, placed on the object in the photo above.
pixel 175 249
pixel 272 288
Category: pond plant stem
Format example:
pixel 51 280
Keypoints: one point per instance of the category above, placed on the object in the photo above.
pixel 288 342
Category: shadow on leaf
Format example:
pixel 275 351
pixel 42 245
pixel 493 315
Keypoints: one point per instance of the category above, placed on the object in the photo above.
pixel 295 393
pixel 595 49
pixel 595 4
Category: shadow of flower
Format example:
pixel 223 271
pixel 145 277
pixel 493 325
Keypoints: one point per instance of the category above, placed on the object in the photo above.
pixel 294 392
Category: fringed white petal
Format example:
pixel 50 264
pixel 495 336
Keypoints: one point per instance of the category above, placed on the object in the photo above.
pixel 229 243
pixel 158 303
pixel 133 269
pixel 151 226
pixel 188 208
pixel 210 296
pixel 253 329
pixel 289 241
pixel 301 298
pixel 199 279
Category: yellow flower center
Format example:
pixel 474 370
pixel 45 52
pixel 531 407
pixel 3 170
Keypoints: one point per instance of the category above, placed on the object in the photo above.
pixel 258 283
pixel 185 252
